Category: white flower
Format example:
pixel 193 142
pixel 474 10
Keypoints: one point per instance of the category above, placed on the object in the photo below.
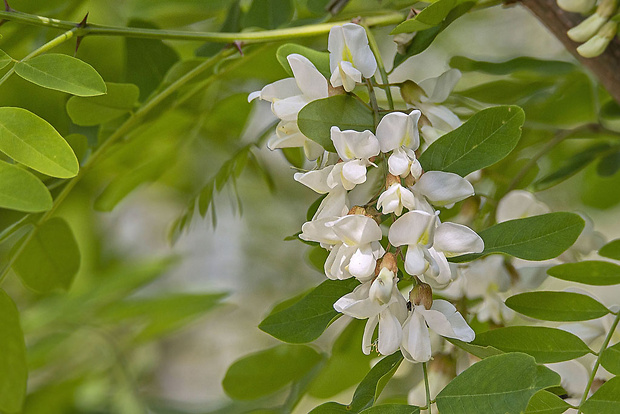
pixel 350 57
pixel 443 318
pixel 380 301
pixel 428 245
pixel 441 189
pixel 398 132
pixel 288 96
pixel 436 90
pixel 519 204
pixel 395 198
pixel 354 148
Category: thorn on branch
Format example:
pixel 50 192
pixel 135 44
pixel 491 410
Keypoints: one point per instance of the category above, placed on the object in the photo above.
pixel 238 45
pixel 83 23
pixel 7 8
pixel 78 42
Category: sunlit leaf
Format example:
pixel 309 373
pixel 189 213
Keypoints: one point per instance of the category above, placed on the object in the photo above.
pixel 547 345
pixel 483 140
pixel 33 142
pixel 589 272
pixel 557 306
pixel 540 237
pixel 119 100
pixel 50 259
pixel 63 73
pixel 12 357
pixel 20 190
pixel 306 320
pixel 430 16
pixel 316 119
pixel 267 371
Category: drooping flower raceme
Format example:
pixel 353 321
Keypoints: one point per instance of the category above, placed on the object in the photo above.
pixel 350 57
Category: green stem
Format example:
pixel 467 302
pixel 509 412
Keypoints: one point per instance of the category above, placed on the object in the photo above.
pixel 426 384
pixel 373 102
pixel 117 135
pixel 248 37
pixel 384 76
pixel 598 362
pixel 48 46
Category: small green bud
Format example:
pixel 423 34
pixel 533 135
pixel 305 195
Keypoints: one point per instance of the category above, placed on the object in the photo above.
pixel 576 6
pixel 587 28
pixel 598 43
pixel 411 92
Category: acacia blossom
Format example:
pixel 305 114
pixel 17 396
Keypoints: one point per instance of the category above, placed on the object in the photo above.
pixel 350 57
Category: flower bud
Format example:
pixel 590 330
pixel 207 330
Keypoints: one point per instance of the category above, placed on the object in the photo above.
pixel 422 294
pixel 416 169
pixel 388 261
pixel 607 8
pixel 410 180
pixel 411 92
pixel 391 180
pixel 357 210
pixel 576 6
pixel 587 28
pixel 381 288
pixel 598 43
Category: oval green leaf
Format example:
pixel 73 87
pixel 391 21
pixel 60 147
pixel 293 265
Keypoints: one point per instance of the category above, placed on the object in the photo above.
pixel 611 250
pixel 4 59
pixel 544 402
pixel 12 357
pixel 51 258
pixel 20 190
pixel 536 238
pixel 267 371
pixel 606 400
pixel 498 384
pixel 119 100
pixel 483 140
pixel 610 359
pixel 547 345
pixel 32 141
pixel 431 16
pixel 320 60
pixel 62 73
pixel 344 111
pixel 589 272
pixel 557 306
pixel 305 320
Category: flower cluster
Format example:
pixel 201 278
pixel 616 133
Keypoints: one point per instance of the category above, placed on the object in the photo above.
pixel 597 30
pixel 403 209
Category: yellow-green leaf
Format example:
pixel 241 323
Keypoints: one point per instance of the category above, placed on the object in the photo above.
pixel 119 100
pixel 13 368
pixel 20 190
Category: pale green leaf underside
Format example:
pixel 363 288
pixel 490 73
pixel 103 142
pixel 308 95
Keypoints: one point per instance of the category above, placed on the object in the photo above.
pixel 62 73
pixel 32 141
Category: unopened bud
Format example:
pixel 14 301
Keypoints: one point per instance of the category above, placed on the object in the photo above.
pixel 411 92
pixel 381 288
pixel 587 28
pixel 576 6
pixel 409 180
pixel 607 8
pixel 391 180
pixel 357 210
pixel 599 42
pixel 388 261
pixel 422 294
pixel 416 169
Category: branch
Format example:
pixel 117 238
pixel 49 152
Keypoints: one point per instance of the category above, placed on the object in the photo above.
pixel 558 21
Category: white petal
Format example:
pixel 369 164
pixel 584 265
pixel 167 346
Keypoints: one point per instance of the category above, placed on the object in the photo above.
pixel 407 198
pixel 333 205
pixel 441 117
pixel 363 262
pixel 357 42
pixel 312 150
pixel 455 239
pixel 287 136
pixel 356 230
pixel 415 263
pixel 308 78
pixel 398 129
pixel 346 76
pixel 357 304
pixel 416 338
pixel 412 228
pixel 390 333
pixel 443 188
pixel 382 287
pixel 439 269
pixel 316 179
pixel 288 108
pixel 284 88
pixel 253 95
pixel 337 261
pixel 399 162
pixel 317 231
pixel 369 330
pixel 519 204
pixel 444 319
pixel 353 144
pixel 354 171
pixel 389 201
pixel 438 89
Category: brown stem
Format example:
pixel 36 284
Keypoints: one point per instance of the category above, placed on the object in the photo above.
pixel 558 21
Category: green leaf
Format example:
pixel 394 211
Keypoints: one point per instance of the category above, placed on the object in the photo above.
pixel 119 100
pixel 431 16
pixel 392 409
pixel 537 238
pixel 369 389
pixel 483 140
pixel 423 39
pixel 557 306
pixel 476 350
pixel 600 191
pixel 520 64
pixel 20 190
pixel 498 384
pixel 547 345
pixel 268 14
pixel 344 111
pixel 610 359
pixel 33 142
pixel 4 59
pixel 265 372
pixel 62 73
pixel 606 400
pixel 305 320
pixel 589 272
pixel 319 59
pixel 164 314
pixel 611 250
pixel 51 258
pixel 12 357
pixel 544 402
pixel 505 91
